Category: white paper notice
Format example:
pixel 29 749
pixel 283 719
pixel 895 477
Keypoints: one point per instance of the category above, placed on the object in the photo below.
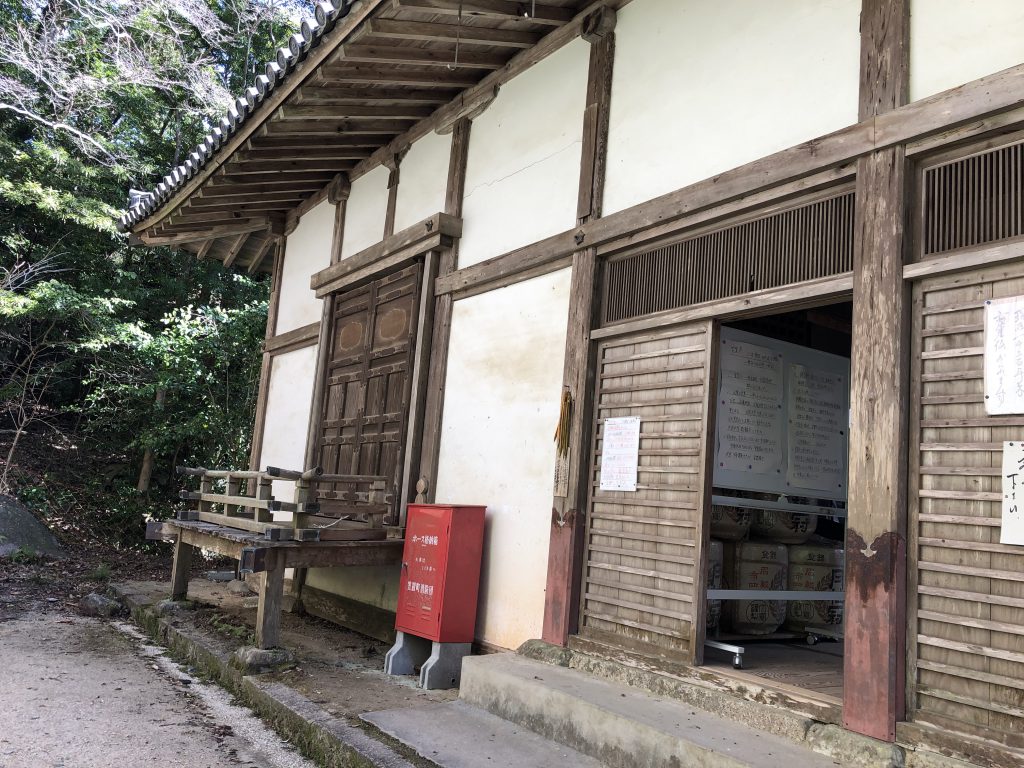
pixel 750 409
pixel 1004 355
pixel 817 429
pixel 620 453
pixel 1012 531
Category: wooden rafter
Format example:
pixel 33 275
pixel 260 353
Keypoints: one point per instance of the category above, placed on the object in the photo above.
pixel 242 230
pixel 353 112
pixel 261 252
pixel 372 95
pixel 505 10
pixel 430 31
pixel 426 57
pixel 235 249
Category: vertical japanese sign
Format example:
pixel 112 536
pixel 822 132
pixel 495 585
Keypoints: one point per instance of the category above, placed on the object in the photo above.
pixel 1012 531
pixel 1004 356
pixel 620 453
pixel 750 416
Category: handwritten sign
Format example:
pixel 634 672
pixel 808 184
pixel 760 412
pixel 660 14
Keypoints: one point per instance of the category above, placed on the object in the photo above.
pixel 750 415
pixel 1012 531
pixel 817 428
pixel 1004 355
pixel 620 453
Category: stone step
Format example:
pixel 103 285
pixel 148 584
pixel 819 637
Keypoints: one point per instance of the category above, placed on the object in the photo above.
pixel 457 735
pixel 620 726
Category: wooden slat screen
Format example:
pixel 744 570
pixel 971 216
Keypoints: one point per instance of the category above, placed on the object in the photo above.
pixel 973 200
pixel 966 595
pixel 642 546
pixel 800 243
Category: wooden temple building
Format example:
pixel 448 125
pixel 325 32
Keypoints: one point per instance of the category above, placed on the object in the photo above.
pixel 771 251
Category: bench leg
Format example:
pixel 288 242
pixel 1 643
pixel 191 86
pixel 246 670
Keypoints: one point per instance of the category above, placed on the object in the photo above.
pixel 268 614
pixel 180 569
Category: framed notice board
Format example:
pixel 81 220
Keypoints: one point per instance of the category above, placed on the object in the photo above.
pixel 783 416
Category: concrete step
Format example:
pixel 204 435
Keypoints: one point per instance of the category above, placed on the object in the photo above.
pixel 620 726
pixel 457 735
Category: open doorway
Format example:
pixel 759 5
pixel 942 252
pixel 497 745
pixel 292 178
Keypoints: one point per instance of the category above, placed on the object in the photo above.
pixel 777 511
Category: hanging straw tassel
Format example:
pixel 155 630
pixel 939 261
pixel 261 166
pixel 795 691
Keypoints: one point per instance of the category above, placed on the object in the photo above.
pixel 562 430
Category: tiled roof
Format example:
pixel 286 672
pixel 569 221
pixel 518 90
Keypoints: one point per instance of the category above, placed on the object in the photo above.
pixel 326 14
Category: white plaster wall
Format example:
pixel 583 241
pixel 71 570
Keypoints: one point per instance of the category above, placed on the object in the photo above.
pixel 702 86
pixel 501 406
pixel 307 250
pixel 289 399
pixel 955 41
pixel 523 168
pixel 423 180
pixel 365 212
pixel 375 585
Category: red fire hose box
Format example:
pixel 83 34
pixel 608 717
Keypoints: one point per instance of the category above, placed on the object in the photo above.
pixel 437 593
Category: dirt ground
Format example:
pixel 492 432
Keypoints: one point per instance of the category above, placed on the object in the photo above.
pixel 83 693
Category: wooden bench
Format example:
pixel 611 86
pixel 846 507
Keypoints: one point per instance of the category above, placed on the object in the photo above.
pixel 269 558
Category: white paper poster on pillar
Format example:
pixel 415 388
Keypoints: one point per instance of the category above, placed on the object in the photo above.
pixel 620 453
pixel 1012 530
pixel 1004 356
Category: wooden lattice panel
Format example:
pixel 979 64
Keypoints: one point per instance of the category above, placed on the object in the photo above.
pixel 802 242
pixel 973 200
pixel 966 596
pixel 642 547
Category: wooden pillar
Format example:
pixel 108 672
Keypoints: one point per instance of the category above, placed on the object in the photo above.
pixel 268 611
pixel 875 629
pixel 442 323
pixel 568 514
pixel 181 568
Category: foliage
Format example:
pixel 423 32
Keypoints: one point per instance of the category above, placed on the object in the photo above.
pixel 97 96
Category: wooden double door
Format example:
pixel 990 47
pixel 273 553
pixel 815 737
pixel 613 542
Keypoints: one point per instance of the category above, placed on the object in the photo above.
pixel 368 381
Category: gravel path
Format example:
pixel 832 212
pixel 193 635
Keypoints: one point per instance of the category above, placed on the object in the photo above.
pixel 81 693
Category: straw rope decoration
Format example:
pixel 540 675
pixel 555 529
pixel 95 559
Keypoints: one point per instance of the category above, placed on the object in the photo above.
pixel 562 430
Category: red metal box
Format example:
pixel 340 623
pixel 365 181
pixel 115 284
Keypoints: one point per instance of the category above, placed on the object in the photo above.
pixel 441 572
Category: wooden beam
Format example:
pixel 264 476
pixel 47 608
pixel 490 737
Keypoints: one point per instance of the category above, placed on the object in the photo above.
pixel 416 239
pixel 235 249
pixel 328 94
pixel 394 172
pixel 426 57
pixel 261 190
pixel 318 166
pixel 206 233
pixel 257 258
pixel 268 198
pixel 571 491
pixel 303 70
pixel 876 583
pixel 422 77
pixel 505 10
pixel 350 126
pixel 264 207
pixel 429 31
pixel 332 142
pixel 210 224
pixel 204 249
pixel 433 409
pixel 273 180
pixel 297 338
pixel 354 111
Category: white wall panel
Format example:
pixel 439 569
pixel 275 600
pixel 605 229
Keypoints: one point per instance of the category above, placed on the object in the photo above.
pixel 307 251
pixel 955 41
pixel 289 398
pixel 501 406
pixel 365 211
pixel 522 173
pixel 702 86
pixel 423 180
